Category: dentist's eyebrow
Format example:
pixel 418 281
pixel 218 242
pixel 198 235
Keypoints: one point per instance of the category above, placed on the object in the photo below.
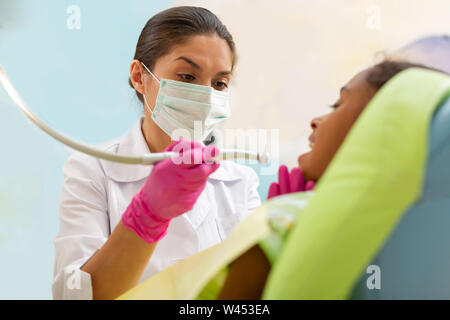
pixel 223 73
pixel 192 63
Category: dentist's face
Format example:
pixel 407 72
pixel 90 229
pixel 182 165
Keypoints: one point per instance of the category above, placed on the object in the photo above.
pixel 202 59
pixel 330 130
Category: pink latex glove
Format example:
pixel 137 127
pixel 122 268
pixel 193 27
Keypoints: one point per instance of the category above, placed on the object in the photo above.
pixel 288 183
pixel 171 189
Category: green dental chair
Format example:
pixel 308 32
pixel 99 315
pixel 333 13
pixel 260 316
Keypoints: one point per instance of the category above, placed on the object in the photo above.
pixel 415 261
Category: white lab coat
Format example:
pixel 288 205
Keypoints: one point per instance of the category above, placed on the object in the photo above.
pixel 95 193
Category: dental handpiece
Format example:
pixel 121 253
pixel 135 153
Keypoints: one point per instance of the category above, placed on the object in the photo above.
pixel 225 154
pixel 152 158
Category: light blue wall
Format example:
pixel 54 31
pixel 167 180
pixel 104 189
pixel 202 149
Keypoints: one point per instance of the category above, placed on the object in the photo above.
pixel 76 80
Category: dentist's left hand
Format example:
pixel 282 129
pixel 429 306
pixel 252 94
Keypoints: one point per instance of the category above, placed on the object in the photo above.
pixel 289 182
pixel 172 188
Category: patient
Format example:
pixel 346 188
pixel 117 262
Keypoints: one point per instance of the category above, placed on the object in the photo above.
pixel 247 274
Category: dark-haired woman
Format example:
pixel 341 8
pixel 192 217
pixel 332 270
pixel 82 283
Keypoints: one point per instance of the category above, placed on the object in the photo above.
pixel 120 224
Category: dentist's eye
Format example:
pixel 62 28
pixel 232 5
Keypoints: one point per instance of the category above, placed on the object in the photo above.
pixel 220 85
pixel 186 77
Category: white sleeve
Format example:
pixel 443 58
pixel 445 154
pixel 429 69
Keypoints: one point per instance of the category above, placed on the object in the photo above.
pixel 253 199
pixel 83 226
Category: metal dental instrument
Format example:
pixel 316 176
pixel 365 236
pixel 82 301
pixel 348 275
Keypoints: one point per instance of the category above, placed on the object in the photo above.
pixel 151 158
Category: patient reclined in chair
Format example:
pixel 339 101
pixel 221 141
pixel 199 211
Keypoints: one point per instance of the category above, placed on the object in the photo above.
pixel 383 201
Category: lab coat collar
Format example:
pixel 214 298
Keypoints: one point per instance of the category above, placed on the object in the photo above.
pixel 134 144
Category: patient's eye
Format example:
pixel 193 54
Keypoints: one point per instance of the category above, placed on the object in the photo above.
pixel 334 106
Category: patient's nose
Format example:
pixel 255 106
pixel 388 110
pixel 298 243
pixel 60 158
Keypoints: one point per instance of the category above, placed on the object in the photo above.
pixel 315 122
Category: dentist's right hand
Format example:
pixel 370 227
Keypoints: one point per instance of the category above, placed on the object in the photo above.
pixel 171 189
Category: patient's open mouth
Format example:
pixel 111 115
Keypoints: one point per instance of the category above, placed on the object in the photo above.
pixel 311 141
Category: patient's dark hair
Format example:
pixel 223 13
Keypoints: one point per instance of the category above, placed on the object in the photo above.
pixel 386 70
pixel 175 26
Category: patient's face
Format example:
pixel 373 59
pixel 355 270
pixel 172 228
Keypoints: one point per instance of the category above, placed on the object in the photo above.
pixel 330 130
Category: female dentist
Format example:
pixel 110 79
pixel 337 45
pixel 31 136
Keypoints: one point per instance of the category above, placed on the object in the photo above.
pixel 120 224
